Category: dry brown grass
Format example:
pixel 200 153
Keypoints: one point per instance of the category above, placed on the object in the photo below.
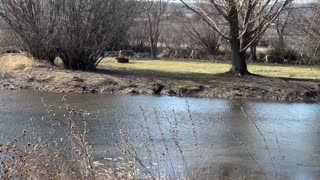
pixel 12 62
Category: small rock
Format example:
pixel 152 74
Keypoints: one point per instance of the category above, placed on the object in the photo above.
pixel 30 79
pixel 129 91
pixel 171 92
pixel 93 91
pixel 157 88
pixel 12 87
pixel 238 94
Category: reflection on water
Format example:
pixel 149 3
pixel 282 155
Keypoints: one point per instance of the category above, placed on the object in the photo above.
pixel 275 139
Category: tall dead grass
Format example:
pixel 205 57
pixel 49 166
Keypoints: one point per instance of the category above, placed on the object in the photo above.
pixel 13 62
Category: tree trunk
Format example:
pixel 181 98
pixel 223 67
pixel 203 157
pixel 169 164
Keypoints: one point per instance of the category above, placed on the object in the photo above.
pixel 154 51
pixel 281 43
pixel 239 65
pixel 253 51
pixel 153 48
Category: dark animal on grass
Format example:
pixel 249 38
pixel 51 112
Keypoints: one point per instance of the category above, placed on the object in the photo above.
pixel 122 60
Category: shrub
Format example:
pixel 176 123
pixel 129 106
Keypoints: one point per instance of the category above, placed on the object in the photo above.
pixel 291 55
pixel 7 40
pixel 33 21
pixel 78 31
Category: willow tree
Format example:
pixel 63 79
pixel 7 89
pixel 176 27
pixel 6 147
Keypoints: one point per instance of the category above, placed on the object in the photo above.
pixel 34 23
pixel 246 20
pixel 88 27
pixel 77 31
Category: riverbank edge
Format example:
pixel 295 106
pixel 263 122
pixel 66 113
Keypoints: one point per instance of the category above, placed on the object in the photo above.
pixel 44 77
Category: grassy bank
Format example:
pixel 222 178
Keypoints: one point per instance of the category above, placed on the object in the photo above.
pixel 166 77
pixel 175 68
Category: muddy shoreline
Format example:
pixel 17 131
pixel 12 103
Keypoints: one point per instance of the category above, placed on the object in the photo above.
pixel 43 77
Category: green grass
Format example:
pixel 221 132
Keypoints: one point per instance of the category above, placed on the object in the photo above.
pixel 205 69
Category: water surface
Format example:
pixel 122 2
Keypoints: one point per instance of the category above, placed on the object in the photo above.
pixel 235 139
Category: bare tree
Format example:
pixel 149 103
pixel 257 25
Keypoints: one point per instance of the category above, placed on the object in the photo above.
pixel 137 35
pixel 173 40
pixel 88 27
pixel 281 25
pixel 78 31
pixel 8 40
pixel 154 12
pixel 34 22
pixel 202 35
pixel 198 34
pixel 308 24
pixel 247 21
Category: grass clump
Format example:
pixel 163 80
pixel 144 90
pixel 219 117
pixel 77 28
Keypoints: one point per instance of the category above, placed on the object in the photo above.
pixel 10 63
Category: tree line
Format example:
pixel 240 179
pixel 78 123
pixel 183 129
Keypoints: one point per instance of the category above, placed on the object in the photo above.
pixel 80 31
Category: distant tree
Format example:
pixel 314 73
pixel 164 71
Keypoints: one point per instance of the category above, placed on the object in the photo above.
pixel 202 35
pixel 138 34
pixel 154 12
pixel 281 24
pixel 8 41
pixel 247 20
pixel 309 25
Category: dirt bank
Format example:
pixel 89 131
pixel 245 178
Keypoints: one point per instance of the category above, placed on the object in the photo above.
pixel 19 72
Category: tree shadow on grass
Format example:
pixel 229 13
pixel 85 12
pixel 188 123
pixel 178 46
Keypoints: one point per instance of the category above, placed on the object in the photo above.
pixel 190 76
pixel 162 74
pixel 287 78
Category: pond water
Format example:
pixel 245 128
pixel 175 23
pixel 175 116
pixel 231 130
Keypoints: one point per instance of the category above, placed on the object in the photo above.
pixel 218 137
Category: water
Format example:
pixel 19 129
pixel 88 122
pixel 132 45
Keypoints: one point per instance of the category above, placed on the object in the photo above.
pixel 234 139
